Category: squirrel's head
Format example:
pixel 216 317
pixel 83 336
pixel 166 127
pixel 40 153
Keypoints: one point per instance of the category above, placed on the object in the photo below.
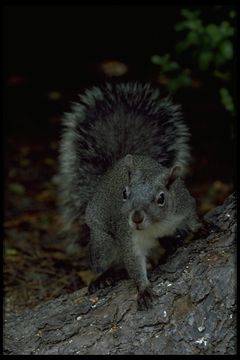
pixel 148 197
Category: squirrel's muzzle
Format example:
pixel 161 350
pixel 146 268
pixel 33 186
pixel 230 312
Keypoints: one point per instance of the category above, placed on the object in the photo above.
pixel 137 217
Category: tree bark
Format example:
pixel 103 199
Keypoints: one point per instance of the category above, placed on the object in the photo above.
pixel 194 312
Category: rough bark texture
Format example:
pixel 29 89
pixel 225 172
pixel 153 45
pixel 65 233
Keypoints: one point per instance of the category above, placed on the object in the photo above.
pixel 195 312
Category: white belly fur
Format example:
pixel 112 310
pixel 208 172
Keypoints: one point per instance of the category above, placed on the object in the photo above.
pixel 146 239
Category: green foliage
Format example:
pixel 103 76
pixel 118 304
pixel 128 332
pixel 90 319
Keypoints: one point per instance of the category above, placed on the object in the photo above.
pixel 181 80
pixel 209 45
pixel 167 67
pixel 227 100
pixel 165 63
pixel 211 42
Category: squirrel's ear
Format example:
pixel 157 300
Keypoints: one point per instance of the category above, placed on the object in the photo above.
pixel 131 166
pixel 174 172
pixel 129 161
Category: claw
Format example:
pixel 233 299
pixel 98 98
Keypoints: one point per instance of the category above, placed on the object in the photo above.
pixel 100 283
pixel 145 298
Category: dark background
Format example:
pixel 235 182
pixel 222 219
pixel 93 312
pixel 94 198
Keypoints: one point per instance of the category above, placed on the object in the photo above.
pixel 61 49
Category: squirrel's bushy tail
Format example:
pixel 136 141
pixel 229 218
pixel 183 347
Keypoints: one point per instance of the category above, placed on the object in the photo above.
pixel 108 123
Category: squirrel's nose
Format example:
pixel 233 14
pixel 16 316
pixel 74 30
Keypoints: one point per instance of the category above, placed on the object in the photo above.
pixel 137 217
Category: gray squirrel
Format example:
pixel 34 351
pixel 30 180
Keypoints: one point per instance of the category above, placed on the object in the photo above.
pixel 123 154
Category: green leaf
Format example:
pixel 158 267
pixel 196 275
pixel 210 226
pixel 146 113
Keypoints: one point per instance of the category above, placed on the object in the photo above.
pixel 173 66
pixel 182 80
pixel 156 59
pixel 226 49
pixel 166 58
pixel 190 14
pixel 205 59
pixel 225 76
pixel 192 38
pixel 180 26
pixel 183 45
pixel 227 100
pixel 186 13
pixel 194 24
pixel 160 60
pixel 226 29
pixel 172 86
pixel 214 32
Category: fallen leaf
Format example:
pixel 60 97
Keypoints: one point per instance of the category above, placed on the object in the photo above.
pixel 17 188
pixel 10 251
pixel 45 196
pixel 86 276
pixel 115 327
pixel 93 299
pixel 114 68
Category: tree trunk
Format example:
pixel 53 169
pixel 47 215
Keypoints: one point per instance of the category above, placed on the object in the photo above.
pixel 194 312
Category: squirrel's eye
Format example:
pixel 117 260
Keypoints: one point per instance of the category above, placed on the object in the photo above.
pixel 124 194
pixel 161 199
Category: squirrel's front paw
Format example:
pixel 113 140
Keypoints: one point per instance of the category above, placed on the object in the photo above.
pixel 100 283
pixel 145 298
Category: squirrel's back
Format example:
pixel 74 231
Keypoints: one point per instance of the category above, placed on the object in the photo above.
pixel 106 124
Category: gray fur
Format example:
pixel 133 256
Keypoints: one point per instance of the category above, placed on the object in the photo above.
pixel 107 124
